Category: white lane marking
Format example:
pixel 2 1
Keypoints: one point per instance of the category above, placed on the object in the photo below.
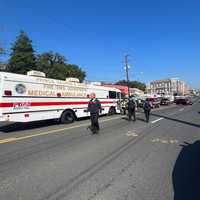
pixel 157 120
pixel 164 141
pixel 182 109
pixel 171 114
pixel 132 134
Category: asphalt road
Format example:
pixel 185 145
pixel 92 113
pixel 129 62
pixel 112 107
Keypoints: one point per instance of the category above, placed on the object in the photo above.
pixel 126 161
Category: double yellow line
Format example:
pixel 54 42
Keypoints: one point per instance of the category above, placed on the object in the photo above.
pixel 14 139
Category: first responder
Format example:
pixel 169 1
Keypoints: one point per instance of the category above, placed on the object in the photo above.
pixel 147 109
pixel 132 106
pixel 94 107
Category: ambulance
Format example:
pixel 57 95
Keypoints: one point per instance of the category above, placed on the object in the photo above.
pixel 33 97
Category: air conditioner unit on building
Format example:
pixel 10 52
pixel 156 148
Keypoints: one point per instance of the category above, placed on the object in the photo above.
pixel 36 73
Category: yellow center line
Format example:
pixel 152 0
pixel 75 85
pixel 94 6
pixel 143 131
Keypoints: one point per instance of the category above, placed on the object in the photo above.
pixel 13 139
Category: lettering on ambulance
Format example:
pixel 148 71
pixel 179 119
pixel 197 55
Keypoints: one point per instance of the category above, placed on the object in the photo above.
pixel 21 105
pixel 51 90
pixel 41 93
pixel 50 93
pixel 48 86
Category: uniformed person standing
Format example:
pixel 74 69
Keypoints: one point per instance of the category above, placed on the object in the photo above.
pixel 131 106
pixel 123 106
pixel 94 107
pixel 147 109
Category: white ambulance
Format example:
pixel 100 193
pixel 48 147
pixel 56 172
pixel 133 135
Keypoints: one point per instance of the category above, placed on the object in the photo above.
pixel 32 97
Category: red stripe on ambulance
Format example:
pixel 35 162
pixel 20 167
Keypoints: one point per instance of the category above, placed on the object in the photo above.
pixel 12 104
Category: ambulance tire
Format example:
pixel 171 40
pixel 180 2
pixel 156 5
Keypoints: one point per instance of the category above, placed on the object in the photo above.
pixel 67 117
pixel 112 111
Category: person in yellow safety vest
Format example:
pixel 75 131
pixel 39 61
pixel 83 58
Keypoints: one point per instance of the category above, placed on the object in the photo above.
pixel 123 105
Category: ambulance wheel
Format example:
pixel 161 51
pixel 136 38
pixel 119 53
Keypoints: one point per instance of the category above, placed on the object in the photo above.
pixel 112 111
pixel 67 117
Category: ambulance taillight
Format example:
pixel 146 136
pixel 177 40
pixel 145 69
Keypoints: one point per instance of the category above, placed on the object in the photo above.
pixel 8 93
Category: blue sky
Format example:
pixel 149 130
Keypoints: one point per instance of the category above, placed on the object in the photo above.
pixel 162 37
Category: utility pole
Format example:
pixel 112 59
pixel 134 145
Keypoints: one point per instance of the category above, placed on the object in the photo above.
pixel 127 75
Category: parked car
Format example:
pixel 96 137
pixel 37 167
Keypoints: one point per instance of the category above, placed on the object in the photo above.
pixel 184 102
pixel 155 102
pixel 165 101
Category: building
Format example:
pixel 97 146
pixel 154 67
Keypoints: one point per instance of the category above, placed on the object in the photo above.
pixel 136 91
pixel 170 86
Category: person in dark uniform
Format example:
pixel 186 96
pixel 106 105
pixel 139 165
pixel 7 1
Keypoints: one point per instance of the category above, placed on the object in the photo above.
pixel 147 109
pixel 94 107
pixel 131 106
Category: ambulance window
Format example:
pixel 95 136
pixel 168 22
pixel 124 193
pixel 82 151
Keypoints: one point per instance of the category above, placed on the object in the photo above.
pixel 123 95
pixel 112 95
pixel 118 95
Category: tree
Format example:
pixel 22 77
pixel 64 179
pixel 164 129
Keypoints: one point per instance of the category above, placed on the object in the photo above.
pixel 132 84
pixel 75 71
pixel 22 56
pixel 55 66
pixel 52 64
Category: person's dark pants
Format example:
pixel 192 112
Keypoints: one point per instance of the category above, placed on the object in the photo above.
pixel 124 111
pixel 94 122
pixel 131 113
pixel 147 113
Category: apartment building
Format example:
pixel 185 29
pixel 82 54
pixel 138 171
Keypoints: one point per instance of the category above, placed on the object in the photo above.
pixel 170 86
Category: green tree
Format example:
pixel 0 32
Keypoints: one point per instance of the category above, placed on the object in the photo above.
pixel 22 58
pixel 75 71
pixel 52 64
pixel 132 84
pixel 55 66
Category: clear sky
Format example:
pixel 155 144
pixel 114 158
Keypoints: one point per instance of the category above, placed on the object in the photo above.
pixel 162 36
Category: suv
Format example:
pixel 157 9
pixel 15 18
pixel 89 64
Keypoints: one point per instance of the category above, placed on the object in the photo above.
pixel 155 102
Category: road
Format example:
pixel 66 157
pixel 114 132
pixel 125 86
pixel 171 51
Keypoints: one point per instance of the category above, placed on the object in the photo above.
pixel 126 161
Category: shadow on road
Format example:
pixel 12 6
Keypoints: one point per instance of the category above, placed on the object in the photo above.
pixel 141 119
pixel 186 173
pixel 27 126
pixel 137 118
pixel 125 118
pixel 33 125
pixel 177 120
